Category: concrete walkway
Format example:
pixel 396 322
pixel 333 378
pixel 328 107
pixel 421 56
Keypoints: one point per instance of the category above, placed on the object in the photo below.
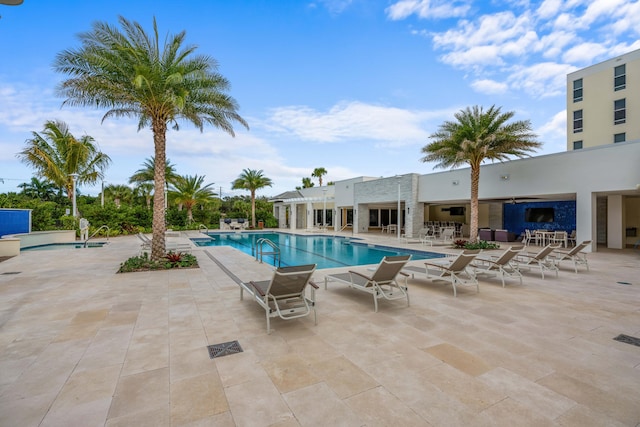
pixel 83 346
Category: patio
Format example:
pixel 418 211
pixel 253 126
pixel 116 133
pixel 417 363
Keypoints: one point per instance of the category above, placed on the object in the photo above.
pixel 83 346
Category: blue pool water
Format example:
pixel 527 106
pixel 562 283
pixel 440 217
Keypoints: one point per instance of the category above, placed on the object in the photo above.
pixel 52 246
pixel 325 251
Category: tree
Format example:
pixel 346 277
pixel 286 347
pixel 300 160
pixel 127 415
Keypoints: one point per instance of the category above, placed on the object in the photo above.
pixel 144 190
pixel 132 73
pixel 188 192
pixel 319 173
pixel 43 190
pixel 119 193
pixel 147 172
pixel 476 136
pixel 251 180
pixel 56 154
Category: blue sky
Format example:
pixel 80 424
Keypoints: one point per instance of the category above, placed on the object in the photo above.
pixel 354 86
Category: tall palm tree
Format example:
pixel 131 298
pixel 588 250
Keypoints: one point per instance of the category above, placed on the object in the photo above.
pixel 119 193
pixel 474 137
pixel 147 172
pixel 39 189
pixel 132 73
pixel 319 173
pixel 251 180
pixel 144 190
pixel 188 191
pixel 56 154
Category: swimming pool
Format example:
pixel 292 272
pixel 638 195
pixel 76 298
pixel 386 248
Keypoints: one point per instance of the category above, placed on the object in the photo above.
pixel 325 251
pixel 72 245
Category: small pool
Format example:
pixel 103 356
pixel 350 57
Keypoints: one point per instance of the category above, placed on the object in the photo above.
pixel 325 251
pixel 72 245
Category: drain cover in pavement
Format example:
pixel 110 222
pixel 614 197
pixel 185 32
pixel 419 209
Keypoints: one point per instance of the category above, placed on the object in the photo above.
pixel 223 349
pixel 11 272
pixel 628 339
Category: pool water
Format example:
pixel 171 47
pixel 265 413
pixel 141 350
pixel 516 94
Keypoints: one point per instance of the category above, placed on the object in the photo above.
pixel 325 251
pixel 53 246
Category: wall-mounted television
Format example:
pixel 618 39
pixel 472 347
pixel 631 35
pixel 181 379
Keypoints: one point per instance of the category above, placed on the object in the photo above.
pixel 539 215
pixel 456 211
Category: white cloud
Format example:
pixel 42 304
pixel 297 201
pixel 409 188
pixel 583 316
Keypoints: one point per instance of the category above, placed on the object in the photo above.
pixel 426 9
pixel 554 133
pixel 549 8
pixel 541 80
pixel 489 87
pixel 584 53
pixel 351 121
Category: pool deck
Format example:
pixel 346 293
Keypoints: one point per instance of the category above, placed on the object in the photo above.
pixel 83 346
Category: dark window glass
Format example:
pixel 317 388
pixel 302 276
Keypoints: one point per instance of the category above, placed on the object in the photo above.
pixel 577 145
pixel 619 111
pixel 620 77
pixel 577 121
pixel 619 137
pixel 577 90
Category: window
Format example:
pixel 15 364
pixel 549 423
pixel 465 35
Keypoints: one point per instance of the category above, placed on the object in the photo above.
pixel 577 145
pixel 619 137
pixel 577 90
pixel 620 77
pixel 577 121
pixel 619 111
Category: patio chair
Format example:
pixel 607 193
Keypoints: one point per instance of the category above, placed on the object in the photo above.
pixel 501 265
pixel 457 271
pixel 383 283
pixel 571 239
pixel 576 255
pixel 527 237
pixel 559 237
pixel 542 259
pixel 284 296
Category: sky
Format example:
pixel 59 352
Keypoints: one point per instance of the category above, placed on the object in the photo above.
pixel 354 86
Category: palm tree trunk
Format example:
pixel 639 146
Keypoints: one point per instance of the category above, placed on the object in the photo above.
pixel 253 208
pixel 159 227
pixel 475 181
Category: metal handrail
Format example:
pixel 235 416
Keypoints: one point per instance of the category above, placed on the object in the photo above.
pixel 96 232
pixel 346 225
pixel 259 250
pixel 201 226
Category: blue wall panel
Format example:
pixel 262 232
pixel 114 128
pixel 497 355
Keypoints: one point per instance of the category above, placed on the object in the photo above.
pixel 13 221
pixel 564 216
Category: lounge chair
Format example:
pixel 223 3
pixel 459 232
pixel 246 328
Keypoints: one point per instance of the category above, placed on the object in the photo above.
pixel 456 271
pixel 284 296
pixel 542 259
pixel 575 254
pixel 501 265
pixel 168 246
pixel 383 283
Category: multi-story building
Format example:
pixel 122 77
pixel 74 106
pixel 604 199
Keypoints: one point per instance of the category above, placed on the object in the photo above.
pixel 603 103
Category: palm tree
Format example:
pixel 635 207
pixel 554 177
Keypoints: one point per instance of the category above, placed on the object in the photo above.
pixel 144 190
pixel 44 190
pixel 188 191
pixel 476 136
pixel 56 154
pixel 251 180
pixel 318 173
pixel 134 74
pixel 119 193
pixel 147 172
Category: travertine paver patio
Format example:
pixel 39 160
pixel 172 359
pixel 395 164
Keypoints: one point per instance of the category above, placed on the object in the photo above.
pixel 83 346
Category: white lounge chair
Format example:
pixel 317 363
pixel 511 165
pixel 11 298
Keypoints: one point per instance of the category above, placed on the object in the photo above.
pixel 457 271
pixel 284 296
pixel 502 265
pixel 576 255
pixel 542 259
pixel 383 283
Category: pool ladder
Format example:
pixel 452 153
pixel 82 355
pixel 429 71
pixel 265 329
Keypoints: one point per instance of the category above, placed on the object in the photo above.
pixel 102 227
pixel 271 249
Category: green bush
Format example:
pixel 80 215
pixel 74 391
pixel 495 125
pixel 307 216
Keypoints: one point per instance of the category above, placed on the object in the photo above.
pixel 170 261
pixel 480 244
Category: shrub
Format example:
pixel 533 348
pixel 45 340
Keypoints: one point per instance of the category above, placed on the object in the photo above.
pixel 171 260
pixel 481 244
